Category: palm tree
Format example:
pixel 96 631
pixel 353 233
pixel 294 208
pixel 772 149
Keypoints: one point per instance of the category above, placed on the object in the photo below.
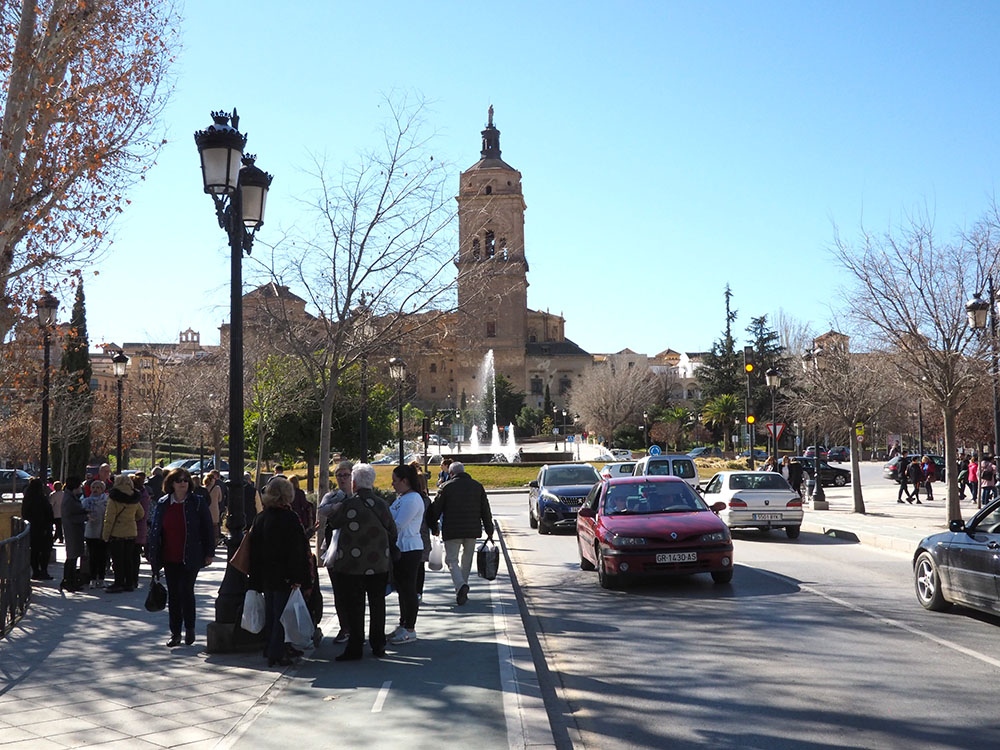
pixel 722 412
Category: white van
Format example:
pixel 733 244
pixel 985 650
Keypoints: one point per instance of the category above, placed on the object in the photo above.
pixel 668 465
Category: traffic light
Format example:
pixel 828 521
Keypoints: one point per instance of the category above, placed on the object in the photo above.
pixel 751 419
pixel 426 427
pixel 748 359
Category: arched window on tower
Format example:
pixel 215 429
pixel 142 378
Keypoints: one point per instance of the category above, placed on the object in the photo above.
pixel 434 367
pixel 489 190
pixel 503 248
pixel 490 244
pixel 475 248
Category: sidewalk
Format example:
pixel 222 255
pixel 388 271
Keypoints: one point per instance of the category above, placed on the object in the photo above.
pixel 91 670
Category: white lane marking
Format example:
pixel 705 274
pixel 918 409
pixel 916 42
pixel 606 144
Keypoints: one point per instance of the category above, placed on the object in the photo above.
pixel 382 695
pixel 508 680
pixel 886 620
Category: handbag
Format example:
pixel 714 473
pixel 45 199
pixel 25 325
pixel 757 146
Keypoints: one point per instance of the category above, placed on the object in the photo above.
pixel 296 620
pixel 252 620
pixel 488 560
pixel 156 599
pixel 241 559
pixel 435 560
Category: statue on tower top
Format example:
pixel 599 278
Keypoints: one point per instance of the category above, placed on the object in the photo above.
pixel 489 123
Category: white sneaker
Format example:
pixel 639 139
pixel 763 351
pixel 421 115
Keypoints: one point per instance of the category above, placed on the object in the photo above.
pixel 404 636
pixel 397 632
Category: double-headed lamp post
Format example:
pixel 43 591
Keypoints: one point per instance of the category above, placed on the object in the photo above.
pixel 46 306
pixel 980 313
pixel 815 357
pixel 119 363
pixel 239 191
pixel 773 378
pixel 397 371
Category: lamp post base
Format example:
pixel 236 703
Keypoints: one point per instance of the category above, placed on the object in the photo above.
pixel 820 505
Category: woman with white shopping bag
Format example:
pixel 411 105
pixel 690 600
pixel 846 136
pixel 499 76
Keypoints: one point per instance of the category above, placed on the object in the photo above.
pixel 279 564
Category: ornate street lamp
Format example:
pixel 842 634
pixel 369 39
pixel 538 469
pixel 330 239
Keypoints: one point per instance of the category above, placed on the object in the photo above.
pixel 239 191
pixel 119 363
pixel 46 307
pixel 815 358
pixel 978 310
pixel 397 371
pixel 773 378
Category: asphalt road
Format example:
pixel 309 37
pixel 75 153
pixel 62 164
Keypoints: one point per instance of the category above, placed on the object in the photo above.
pixel 817 643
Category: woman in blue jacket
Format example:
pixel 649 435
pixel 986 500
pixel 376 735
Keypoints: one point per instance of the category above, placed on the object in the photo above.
pixel 181 541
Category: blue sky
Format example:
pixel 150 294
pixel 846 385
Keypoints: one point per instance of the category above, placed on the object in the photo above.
pixel 666 148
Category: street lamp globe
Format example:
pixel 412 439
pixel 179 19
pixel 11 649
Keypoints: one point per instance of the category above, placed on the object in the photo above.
pixel 397 368
pixel 220 146
pixel 977 309
pixel 46 306
pixel 119 363
pixel 773 378
pixel 254 184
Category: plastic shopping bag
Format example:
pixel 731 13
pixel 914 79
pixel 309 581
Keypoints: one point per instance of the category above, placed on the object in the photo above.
pixel 296 620
pixel 253 612
pixel 331 549
pixel 436 559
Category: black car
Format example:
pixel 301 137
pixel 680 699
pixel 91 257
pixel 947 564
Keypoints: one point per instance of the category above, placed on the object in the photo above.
pixel 839 453
pixel 13 482
pixel 556 495
pixel 959 566
pixel 891 468
pixel 830 475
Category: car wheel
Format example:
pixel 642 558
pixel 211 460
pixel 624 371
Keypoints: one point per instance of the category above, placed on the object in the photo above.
pixel 839 481
pixel 543 527
pixel 585 564
pixel 532 521
pixel 793 531
pixel 722 576
pixel 928 584
pixel 607 580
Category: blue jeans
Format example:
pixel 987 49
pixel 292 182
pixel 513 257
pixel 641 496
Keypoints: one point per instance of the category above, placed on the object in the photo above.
pixel 987 494
pixel 180 596
pixel 274 631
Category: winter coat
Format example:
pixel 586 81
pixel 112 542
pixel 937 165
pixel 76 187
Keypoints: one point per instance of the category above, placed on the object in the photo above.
pixel 74 517
pixel 199 532
pixel 973 471
pixel 95 505
pixel 465 507
pixel 366 528
pixel 142 524
pixel 121 515
pixel 37 510
pixel 914 473
pixel 408 512
pixel 279 552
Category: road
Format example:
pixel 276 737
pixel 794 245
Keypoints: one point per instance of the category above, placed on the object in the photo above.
pixel 817 643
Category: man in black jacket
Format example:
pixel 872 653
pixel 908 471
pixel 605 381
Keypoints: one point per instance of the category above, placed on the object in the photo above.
pixel 466 512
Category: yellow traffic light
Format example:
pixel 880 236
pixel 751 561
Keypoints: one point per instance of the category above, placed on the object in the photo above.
pixel 751 419
pixel 748 367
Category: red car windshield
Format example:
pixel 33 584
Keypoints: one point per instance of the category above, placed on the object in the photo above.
pixel 648 497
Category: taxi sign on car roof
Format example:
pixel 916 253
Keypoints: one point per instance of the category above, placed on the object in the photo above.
pixel 654 450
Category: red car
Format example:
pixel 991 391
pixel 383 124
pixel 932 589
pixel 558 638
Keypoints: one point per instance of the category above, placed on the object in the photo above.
pixel 651 525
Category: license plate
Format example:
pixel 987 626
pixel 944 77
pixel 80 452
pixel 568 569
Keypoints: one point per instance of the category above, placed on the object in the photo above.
pixel 767 516
pixel 672 557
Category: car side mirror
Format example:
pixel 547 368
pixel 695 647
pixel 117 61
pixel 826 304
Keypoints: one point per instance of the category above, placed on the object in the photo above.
pixel 586 513
pixel 533 484
pixel 956 526
pixel 718 507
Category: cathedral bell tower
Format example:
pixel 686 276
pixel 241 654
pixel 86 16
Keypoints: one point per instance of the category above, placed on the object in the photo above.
pixel 492 270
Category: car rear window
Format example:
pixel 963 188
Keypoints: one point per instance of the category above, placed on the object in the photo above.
pixel 623 499
pixel 769 481
pixel 684 469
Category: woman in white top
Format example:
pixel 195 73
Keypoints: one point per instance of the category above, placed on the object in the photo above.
pixel 408 513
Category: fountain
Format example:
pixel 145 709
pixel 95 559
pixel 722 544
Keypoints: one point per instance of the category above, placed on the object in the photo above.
pixel 508 450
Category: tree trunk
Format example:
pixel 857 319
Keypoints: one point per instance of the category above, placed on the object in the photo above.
pixel 325 428
pixel 859 500
pixel 951 464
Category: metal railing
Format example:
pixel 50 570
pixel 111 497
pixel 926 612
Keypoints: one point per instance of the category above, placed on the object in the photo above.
pixel 15 575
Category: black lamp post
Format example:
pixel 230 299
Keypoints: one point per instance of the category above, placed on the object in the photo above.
pixel 119 364
pixel 46 306
pixel 979 310
pixel 239 191
pixel 815 357
pixel 773 378
pixel 397 371
pixel 645 429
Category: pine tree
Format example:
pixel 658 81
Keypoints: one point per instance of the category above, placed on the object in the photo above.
pixel 73 397
pixel 721 373
pixel 768 351
pixel 547 403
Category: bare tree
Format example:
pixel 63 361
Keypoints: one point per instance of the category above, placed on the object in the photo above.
pixel 159 400
pixel 908 296
pixel 70 421
pixel 379 269
pixel 81 86
pixel 608 397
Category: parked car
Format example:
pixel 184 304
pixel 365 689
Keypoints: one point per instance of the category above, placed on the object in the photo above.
pixel 891 468
pixel 617 469
pixel 830 475
pixel 556 495
pixel 705 451
pixel 197 467
pixel 756 499
pixel 181 463
pixel 13 482
pixel 810 451
pixel 436 440
pixel 651 525
pixel 839 453
pixel 621 454
pixel 758 455
pixel 958 566
pixel 668 465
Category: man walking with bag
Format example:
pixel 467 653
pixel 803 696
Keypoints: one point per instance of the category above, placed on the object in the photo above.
pixel 466 512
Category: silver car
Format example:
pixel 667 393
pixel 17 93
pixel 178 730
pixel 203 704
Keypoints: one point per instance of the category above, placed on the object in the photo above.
pixel 756 500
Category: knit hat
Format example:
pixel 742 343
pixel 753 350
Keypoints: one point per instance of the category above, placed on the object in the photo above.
pixel 123 483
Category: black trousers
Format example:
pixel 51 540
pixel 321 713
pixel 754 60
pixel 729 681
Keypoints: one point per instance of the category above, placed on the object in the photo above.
pixel 338 603
pixel 122 552
pixel 97 551
pixel 180 596
pixel 353 590
pixel 404 573
pixel 39 549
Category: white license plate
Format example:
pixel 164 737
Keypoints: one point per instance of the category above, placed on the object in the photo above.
pixel 672 557
pixel 767 516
